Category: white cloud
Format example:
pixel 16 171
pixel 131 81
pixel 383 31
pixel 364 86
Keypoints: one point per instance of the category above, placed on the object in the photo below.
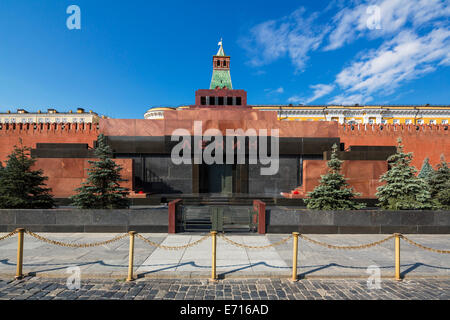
pixel 280 90
pixel 259 72
pixel 352 23
pixel 405 57
pixel 415 41
pixel 350 99
pixel 295 99
pixel 319 90
pixel 348 23
pixel 294 36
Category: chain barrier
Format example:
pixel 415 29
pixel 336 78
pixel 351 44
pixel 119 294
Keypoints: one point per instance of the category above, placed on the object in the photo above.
pixel 294 236
pixel 422 246
pixel 8 235
pixel 165 247
pixel 255 247
pixel 154 244
pixel 75 245
pixel 330 246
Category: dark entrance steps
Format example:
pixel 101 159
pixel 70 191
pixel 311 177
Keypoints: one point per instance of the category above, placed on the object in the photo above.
pixel 221 218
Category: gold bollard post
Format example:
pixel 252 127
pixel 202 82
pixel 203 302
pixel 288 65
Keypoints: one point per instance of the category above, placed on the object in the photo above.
pixel 19 274
pixel 294 255
pixel 214 246
pixel 397 257
pixel 131 256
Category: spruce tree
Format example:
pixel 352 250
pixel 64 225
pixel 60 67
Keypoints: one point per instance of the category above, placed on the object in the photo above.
pixel 333 192
pixel 402 189
pixel 426 170
pixel 102 189
pixel 21 187
pixel 439 182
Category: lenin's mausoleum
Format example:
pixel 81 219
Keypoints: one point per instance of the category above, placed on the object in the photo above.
pixel 366 136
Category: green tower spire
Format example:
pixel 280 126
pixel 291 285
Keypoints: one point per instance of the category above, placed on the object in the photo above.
pixel 221 77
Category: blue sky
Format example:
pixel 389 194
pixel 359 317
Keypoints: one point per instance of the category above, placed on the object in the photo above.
pixel 132 55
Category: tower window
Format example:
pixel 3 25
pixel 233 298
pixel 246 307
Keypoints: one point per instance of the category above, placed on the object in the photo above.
pixel 220 101
pixel 238 101
pixel 212 101
pixel 229 101
pixel 203 101
pixel 218 63
pixel 224 63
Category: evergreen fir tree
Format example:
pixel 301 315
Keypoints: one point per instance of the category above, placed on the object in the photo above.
pixel 333 192
pixel 20 186
pixel 102 189
pixel 426 170
pixel 403 190
pixel 439 182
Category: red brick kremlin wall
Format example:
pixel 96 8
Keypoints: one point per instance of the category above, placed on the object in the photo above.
pixel 45 133
pixel 67 174
pixel 424 141
pixel 64 174
pixel 428 141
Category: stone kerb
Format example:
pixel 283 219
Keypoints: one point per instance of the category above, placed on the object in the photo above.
pixel 76 220
pixel 285 220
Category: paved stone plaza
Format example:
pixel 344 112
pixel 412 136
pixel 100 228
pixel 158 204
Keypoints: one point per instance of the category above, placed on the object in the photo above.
pixel 231 289
pixel 111 260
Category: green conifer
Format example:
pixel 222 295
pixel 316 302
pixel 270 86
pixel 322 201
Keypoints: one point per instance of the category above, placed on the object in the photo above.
pixel 426 170
pixel 21 187
pixel 102 189
pixel 333 192
pixel 403 190
pixel 439 182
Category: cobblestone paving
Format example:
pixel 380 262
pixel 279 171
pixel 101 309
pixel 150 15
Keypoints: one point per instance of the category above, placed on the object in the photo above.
pixel 233 289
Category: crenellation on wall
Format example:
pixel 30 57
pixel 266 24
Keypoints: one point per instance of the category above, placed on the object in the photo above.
pixel 48 127
pixel 384 129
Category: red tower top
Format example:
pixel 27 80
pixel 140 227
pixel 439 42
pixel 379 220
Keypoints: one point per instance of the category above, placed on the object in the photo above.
pixel 221 93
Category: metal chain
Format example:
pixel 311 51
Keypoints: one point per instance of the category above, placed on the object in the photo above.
pixel 8 235
pixel 422 246
pixel 154 244
pixel 255 247
pixel 330 246
pixel 75 245
pixel 323 244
